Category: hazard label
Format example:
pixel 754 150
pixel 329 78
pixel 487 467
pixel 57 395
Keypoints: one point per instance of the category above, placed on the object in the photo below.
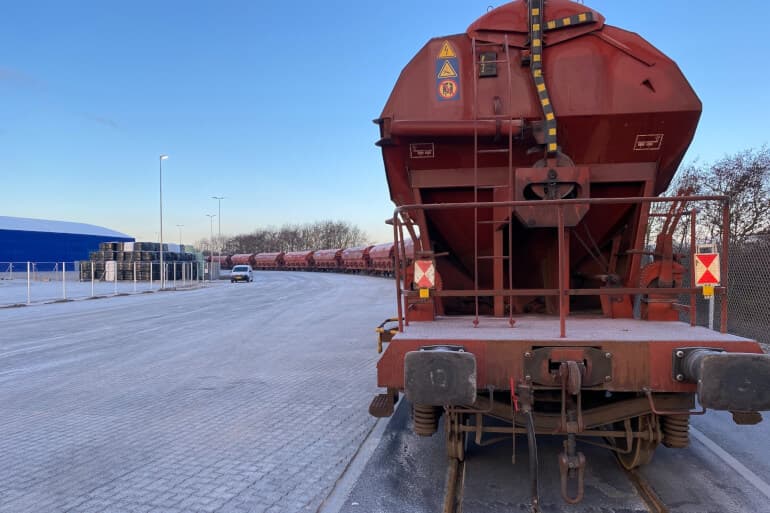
pixel 424 274
pixel 447 71
pixel 447 89
pixel 707 269
pixel 447 52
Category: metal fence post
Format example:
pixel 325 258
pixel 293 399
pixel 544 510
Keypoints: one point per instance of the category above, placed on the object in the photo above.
pixel 134 277
pixel 29 283
pixel 150 275
pixel 92 264
pixel 174 274
pixel 64 280
pixel 115 280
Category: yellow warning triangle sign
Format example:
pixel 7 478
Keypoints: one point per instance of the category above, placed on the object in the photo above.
pixel 447 52
pixel 447 71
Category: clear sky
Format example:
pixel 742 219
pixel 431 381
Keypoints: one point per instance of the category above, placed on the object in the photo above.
pixel 270 104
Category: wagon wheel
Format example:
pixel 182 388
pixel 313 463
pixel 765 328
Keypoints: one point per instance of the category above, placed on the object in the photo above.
pixel 641 449
pixel 456 440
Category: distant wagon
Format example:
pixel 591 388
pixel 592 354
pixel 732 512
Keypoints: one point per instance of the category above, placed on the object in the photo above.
pixel 268 261
pixel 328 259
pixel 299 260
pixel 242 259
pixel 356 259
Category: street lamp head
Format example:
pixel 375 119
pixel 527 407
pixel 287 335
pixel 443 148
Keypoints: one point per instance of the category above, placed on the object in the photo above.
pixel 163 157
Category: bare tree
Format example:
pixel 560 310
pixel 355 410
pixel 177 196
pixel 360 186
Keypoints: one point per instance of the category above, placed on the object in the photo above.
pixel 745 178
pixel 310 236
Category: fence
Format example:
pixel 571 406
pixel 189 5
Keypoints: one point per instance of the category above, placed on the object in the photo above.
pixel 748 282
pixel 24 283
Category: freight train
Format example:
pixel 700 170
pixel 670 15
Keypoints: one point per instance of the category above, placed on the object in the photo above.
pixel 376 259
pixel 526 158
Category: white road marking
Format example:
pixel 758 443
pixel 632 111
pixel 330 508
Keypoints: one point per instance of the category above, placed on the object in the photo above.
pixel 736 465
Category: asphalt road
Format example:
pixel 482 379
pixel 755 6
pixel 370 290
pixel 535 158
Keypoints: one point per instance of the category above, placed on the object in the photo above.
pixel 234 398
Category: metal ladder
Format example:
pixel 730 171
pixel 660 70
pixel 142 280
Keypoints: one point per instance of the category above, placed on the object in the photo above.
pixel 495 223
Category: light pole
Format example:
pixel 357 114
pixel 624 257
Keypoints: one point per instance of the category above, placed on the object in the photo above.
pixel 211 238
pixel 219 212
pixel 180 236
pixel 160 188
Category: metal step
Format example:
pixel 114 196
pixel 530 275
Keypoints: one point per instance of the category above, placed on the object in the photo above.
pixel 381 406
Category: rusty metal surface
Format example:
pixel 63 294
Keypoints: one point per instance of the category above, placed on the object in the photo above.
pixel 641 350
pixel 490 127
pixel 299 259
pixel 356 258
pixel 268 260
pixel 328 258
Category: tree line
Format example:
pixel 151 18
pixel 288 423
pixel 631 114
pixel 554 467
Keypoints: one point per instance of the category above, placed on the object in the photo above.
pixel 744 177
pixel 290 237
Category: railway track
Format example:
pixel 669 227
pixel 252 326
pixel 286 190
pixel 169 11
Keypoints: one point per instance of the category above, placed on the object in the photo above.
pixel 455 490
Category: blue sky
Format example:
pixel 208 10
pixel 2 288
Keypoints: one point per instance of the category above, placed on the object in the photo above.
pixel 271 104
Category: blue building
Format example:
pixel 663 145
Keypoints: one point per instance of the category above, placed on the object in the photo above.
pixel 48 242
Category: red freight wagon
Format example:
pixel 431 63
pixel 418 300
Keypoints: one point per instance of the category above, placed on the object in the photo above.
pixel 382 257
pixel 298 260
pixel 328 258
pixel 524 157
pixel 356 259
pixel 242 259
pixel 224 261
pixel 268 261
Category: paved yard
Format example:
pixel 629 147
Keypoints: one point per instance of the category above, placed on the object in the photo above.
pixel 234 398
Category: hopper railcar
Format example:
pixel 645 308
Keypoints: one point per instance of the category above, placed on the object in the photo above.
pixel 328 259
pixel 357 260
pixel 524 157
pixel 268 261
pixel 299 260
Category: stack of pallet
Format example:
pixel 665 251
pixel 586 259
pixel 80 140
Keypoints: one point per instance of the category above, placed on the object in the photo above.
pixel 140 261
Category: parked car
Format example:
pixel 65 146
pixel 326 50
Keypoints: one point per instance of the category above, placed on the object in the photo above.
pixel 241 273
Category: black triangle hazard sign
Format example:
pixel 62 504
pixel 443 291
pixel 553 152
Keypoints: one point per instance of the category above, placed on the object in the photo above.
pixel 447 71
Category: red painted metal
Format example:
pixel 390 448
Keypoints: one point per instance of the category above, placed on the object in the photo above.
pixel 328 258
pixel 609 89
pixel 357 258
pixel 299 260
pixel 268 260
pixel 224 261
pixel 243 259
pixel 383 256
pixel 571 228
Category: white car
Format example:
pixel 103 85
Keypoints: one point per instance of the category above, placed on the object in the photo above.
pixel 241 273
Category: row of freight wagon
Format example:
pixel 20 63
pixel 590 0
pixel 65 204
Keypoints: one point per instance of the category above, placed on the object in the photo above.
pixel 372 259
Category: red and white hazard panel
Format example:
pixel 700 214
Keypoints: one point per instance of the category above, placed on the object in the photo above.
pixel 425 274
pixel 707 269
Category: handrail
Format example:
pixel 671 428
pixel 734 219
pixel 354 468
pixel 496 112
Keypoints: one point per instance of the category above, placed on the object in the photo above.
pixel 564 291
pixel 555 203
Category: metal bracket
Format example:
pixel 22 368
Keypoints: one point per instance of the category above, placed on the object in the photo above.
pixel 678 359
pixel 541 366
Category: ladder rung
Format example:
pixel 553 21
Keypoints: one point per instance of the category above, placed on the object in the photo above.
pixel 492 257
pixel 501 150
pixel 493 222
pixel 504 61
pixel 493 117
